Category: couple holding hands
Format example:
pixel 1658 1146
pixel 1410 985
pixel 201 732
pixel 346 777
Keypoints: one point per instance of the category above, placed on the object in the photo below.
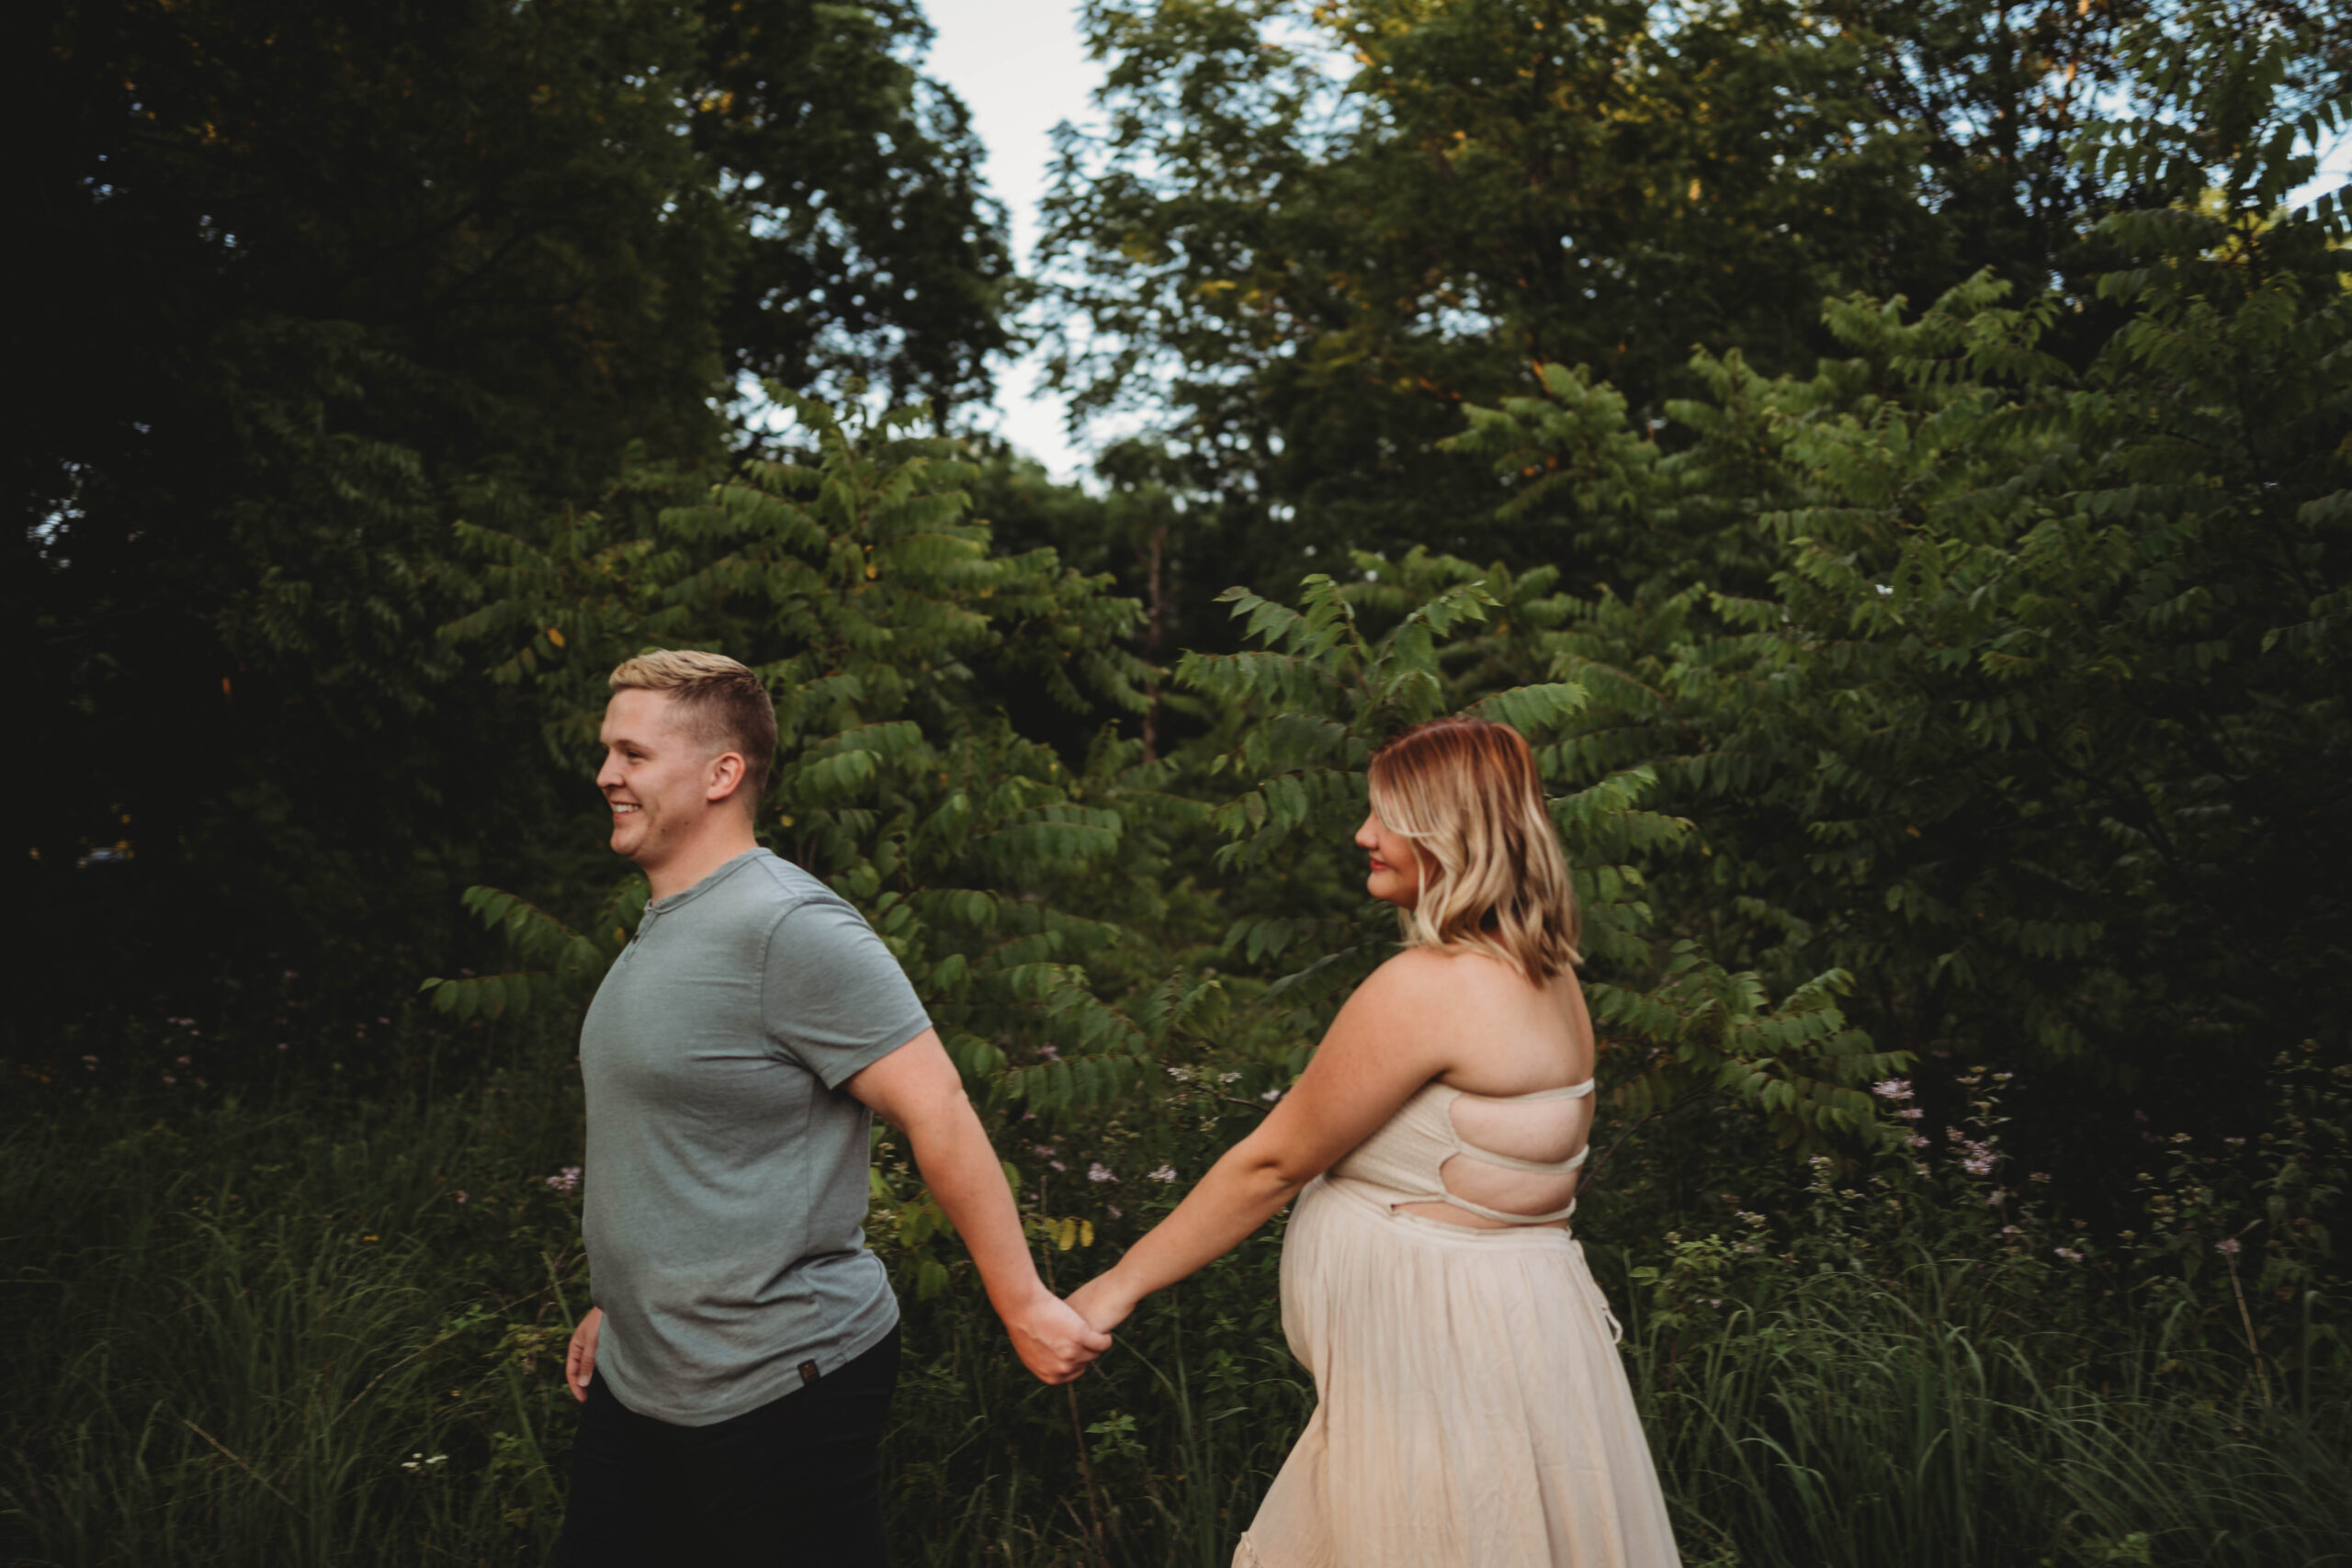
pixel 736 1372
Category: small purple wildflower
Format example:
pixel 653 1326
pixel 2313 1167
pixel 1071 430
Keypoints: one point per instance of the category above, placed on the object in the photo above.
pixel 566 1180
pixel 1098 1171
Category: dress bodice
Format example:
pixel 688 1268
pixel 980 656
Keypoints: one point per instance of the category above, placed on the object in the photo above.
pixel 1405 1160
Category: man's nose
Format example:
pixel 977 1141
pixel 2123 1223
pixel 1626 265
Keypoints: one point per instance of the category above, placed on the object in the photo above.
pixel 607 775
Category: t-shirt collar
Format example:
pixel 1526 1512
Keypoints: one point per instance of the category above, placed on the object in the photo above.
pixel 664 906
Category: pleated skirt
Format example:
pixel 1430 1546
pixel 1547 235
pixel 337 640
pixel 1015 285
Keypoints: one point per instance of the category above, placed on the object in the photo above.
pixel 1473 1408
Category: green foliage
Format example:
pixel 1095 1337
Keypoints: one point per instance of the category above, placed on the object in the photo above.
pixel 318 280
pixel 353 1355
pixel 1305 712
pixel 1307 235
pixel 2004 682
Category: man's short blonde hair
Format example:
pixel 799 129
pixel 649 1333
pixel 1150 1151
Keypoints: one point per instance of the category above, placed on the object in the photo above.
pixel 721 701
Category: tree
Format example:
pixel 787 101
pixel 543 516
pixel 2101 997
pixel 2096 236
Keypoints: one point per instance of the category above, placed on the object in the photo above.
pixel 316 283
pixel 2034 719
pixel 1310 236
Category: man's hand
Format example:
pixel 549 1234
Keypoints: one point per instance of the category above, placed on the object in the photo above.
pixel 1103 1302
pixel 579 1361
pixel 1053 1341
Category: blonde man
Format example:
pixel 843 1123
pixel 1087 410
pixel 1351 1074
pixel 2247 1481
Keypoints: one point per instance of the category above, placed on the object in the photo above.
pixel 738 1365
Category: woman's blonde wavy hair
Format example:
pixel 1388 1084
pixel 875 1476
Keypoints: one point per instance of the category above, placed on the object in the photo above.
pixel 1467 793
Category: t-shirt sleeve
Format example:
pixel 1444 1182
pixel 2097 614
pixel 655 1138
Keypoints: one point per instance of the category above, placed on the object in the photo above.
pixel 834 997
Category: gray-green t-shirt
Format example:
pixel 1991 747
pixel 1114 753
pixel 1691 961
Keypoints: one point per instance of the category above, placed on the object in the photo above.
pixel 725 1178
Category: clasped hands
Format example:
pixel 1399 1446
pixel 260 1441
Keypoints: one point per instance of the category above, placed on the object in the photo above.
pixel 1055 1339
pixel 1058 1340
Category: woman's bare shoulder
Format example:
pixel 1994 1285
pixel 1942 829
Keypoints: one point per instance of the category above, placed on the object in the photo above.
pixel 1440 977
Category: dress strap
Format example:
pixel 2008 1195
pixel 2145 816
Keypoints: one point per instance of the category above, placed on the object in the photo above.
pixel 1570 1092
pixel 1513 1162
pixel 1504 1215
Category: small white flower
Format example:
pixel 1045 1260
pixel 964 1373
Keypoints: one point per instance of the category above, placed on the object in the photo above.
pixel 2068 1253
pixel 2227 1246
pixel 1892 1089
pixel 1165 1173
pixel 1099 1172
pixel 1271 1096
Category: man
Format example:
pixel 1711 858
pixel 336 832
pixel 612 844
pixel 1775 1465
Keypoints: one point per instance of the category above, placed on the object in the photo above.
pixel 737 1364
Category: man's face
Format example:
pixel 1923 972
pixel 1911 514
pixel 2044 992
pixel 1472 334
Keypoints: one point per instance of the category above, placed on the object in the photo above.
pixel 657 776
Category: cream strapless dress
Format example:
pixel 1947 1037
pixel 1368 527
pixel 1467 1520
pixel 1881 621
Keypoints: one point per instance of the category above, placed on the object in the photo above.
pixel 1473 1409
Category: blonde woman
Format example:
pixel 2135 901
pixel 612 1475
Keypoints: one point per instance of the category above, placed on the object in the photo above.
pixel 1473 1411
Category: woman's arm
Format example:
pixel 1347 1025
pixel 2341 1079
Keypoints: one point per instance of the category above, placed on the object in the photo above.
pixel 1394 1035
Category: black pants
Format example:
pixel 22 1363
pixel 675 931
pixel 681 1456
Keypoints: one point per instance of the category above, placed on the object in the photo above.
pixel 795 1484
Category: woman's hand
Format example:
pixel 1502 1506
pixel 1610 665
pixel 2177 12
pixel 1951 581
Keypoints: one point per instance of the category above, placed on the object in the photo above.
pixel 1103 1301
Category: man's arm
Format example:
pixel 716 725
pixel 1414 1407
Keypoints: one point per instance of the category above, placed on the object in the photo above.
pixel 917 1089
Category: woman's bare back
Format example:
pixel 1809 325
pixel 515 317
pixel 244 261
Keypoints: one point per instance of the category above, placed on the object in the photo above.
pixel 1517 1039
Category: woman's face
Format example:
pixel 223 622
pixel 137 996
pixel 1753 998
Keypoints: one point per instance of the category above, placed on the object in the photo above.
pixel 1396 869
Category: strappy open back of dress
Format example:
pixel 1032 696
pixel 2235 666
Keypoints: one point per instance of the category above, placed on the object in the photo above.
pixel 1473 1411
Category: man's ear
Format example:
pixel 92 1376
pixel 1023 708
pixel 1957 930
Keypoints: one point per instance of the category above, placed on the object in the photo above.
pixel 725 776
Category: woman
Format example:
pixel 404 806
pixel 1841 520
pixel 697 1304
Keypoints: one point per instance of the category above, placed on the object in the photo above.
pixel 1471 1408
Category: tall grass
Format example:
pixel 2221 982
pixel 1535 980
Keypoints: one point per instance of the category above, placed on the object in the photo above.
pixel 1848 1422
pixel 275 1333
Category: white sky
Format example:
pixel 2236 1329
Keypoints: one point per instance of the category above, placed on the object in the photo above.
pixel 1021 68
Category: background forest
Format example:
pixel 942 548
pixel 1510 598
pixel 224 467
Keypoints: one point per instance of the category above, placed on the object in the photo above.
pixel 1892 460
